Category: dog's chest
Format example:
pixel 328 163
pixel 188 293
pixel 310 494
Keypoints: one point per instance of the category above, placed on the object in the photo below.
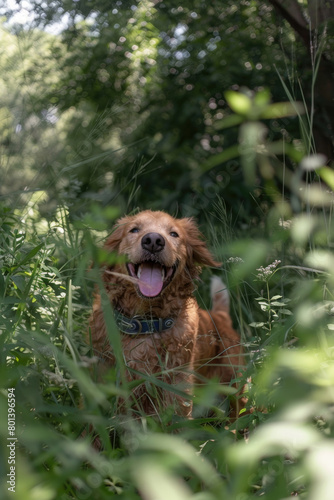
pixel 159 351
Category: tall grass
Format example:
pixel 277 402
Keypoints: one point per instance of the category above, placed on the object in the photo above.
pixel 284 311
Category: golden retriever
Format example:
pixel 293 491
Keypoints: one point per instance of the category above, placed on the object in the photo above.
pixel 164 333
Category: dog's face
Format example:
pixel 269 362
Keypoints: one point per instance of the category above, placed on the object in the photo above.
pixel 159 248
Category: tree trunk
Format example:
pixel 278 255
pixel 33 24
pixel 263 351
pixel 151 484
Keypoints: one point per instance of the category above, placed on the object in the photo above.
pixel 306 25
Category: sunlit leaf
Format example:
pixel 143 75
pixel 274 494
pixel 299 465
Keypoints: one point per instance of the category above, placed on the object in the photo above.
pixel 316 195
pixel 283 109
pixel 272 439
pixel 302 227
pixel 320 259
pixel 327 175
pixel 313 162
pixel 262 98
pixel 320 470
pixel 184 452
pixel 238 102
pixel 156 483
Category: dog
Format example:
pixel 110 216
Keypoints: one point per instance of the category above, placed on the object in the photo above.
pixel 164 333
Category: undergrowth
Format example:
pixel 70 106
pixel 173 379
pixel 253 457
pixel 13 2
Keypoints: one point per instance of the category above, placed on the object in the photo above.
pixel 281 286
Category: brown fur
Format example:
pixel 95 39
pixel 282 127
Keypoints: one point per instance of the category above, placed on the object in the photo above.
pixel 199 340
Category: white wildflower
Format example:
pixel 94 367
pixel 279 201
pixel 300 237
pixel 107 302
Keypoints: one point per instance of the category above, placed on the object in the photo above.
pixel 266 272
pixel 234 259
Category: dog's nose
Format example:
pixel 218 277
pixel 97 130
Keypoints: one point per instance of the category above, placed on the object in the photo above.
pixel 153 242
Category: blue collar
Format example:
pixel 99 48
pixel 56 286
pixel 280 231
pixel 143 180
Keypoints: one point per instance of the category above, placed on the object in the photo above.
pixel 139 325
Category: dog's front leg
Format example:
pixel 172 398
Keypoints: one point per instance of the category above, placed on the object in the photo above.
pixel 182 382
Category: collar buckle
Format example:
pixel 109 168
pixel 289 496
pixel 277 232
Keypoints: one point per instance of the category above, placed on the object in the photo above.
pixel 139 325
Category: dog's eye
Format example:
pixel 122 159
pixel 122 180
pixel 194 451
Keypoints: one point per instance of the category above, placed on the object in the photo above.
pixel 134 230
pixel 174 234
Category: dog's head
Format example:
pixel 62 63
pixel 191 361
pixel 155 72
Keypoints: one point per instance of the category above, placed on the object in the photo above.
pixel 159 249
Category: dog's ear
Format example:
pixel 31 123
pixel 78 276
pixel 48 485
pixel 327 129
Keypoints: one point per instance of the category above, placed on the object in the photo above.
pixel 114 240
pixel 197 251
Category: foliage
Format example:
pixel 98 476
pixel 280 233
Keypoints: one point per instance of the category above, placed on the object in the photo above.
pixel 45 359
pixel 149 104
pixel 140 87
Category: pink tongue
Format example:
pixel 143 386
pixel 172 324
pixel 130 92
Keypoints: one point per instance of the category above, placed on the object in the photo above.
pixel 150 282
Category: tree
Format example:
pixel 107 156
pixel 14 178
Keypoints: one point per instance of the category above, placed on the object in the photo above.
pixel 27 126
pixel 140 93
pixel 315 26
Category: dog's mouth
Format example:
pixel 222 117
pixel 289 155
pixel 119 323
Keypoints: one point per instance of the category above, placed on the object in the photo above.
pixel 152 277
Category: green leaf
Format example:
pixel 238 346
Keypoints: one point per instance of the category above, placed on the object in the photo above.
pixel 2 284
pixel 238 102
pixel 327 175
pixel 282 110
pixel 252 135
pixel 29 256
pixel 262 98
pixel 19 282
pixel 228 154
pixel 228 122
